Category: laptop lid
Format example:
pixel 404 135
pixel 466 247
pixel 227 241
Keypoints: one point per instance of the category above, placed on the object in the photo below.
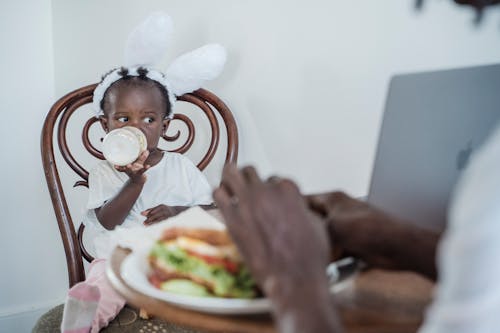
pixel 432 122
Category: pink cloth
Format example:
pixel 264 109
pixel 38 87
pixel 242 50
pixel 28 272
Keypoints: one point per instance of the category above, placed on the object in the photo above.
pixel 110 303
pixel 80 308
pixel 91 304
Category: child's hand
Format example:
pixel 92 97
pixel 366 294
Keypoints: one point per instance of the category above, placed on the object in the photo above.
pixel 136 170
pixel 160 213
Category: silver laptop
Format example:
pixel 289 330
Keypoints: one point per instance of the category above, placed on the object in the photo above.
pixel 433 121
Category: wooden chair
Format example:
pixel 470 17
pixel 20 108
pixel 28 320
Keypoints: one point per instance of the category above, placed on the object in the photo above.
pixel 55 132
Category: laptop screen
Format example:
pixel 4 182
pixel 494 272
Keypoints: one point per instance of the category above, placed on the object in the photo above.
pixel 432 123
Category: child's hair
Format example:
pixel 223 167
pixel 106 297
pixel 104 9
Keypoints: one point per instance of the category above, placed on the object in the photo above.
pixel 137 75
pixel 136 81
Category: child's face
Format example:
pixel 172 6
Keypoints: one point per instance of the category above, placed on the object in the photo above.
pixel 139 106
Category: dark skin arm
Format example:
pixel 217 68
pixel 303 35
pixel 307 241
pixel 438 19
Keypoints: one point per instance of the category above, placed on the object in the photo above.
pixel 284 245
pixel 377 238
pixel 114 211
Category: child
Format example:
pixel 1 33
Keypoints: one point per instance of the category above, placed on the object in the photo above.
pixel 156 186
pixel 121 195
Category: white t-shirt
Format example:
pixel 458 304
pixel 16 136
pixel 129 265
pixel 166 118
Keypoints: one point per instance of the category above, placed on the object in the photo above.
pixel 467 299
pixel 174 181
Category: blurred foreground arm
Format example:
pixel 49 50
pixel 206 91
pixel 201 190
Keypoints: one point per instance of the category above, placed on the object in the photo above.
pixel 284 245
pixel 377 238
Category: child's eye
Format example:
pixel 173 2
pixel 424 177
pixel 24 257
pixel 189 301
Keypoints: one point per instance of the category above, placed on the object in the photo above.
pixel 123 119
pixel 149 120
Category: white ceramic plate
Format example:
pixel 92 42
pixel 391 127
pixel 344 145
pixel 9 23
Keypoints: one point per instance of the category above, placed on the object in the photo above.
pixel 134 271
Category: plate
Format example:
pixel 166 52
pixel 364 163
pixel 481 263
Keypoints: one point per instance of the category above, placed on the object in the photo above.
pixel 134 270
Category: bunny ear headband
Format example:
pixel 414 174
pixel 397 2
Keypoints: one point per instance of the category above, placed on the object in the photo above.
pixel 145 47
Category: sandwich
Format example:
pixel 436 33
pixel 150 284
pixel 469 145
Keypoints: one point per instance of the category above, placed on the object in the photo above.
pixel 199 262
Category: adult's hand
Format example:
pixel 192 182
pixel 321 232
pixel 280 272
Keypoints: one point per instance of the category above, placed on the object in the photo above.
pixel 381 240
pixel 284 245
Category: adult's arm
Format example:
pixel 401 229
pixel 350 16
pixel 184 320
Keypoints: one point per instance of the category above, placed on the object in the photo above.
pixel 381 240
pixel 284 245
pixel 115 211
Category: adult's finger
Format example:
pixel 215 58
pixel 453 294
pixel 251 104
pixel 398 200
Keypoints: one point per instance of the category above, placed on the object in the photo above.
pixel 233 181
pixel 241 229
pixel 227 204
pixel 325 203
pixel 317 203
pixel 250 174
pixel 229 211
pixel 245 234
pixel 274 179
pixel 288 184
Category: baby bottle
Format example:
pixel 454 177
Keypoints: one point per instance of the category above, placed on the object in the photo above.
pixel 123 145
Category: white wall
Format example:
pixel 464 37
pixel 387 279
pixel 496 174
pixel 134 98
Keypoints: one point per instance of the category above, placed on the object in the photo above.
pixel 306 81
pixel 33 272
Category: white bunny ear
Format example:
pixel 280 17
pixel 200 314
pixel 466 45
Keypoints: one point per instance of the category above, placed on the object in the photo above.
pixel 191 70
pixel 148 42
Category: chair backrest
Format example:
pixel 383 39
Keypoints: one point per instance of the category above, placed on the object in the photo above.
pixel 55 132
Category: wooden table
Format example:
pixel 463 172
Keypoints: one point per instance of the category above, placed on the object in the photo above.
pixel 374 301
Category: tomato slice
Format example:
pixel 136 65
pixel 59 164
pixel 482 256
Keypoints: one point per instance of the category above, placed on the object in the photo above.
pixel 155 281
pixel 229 265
